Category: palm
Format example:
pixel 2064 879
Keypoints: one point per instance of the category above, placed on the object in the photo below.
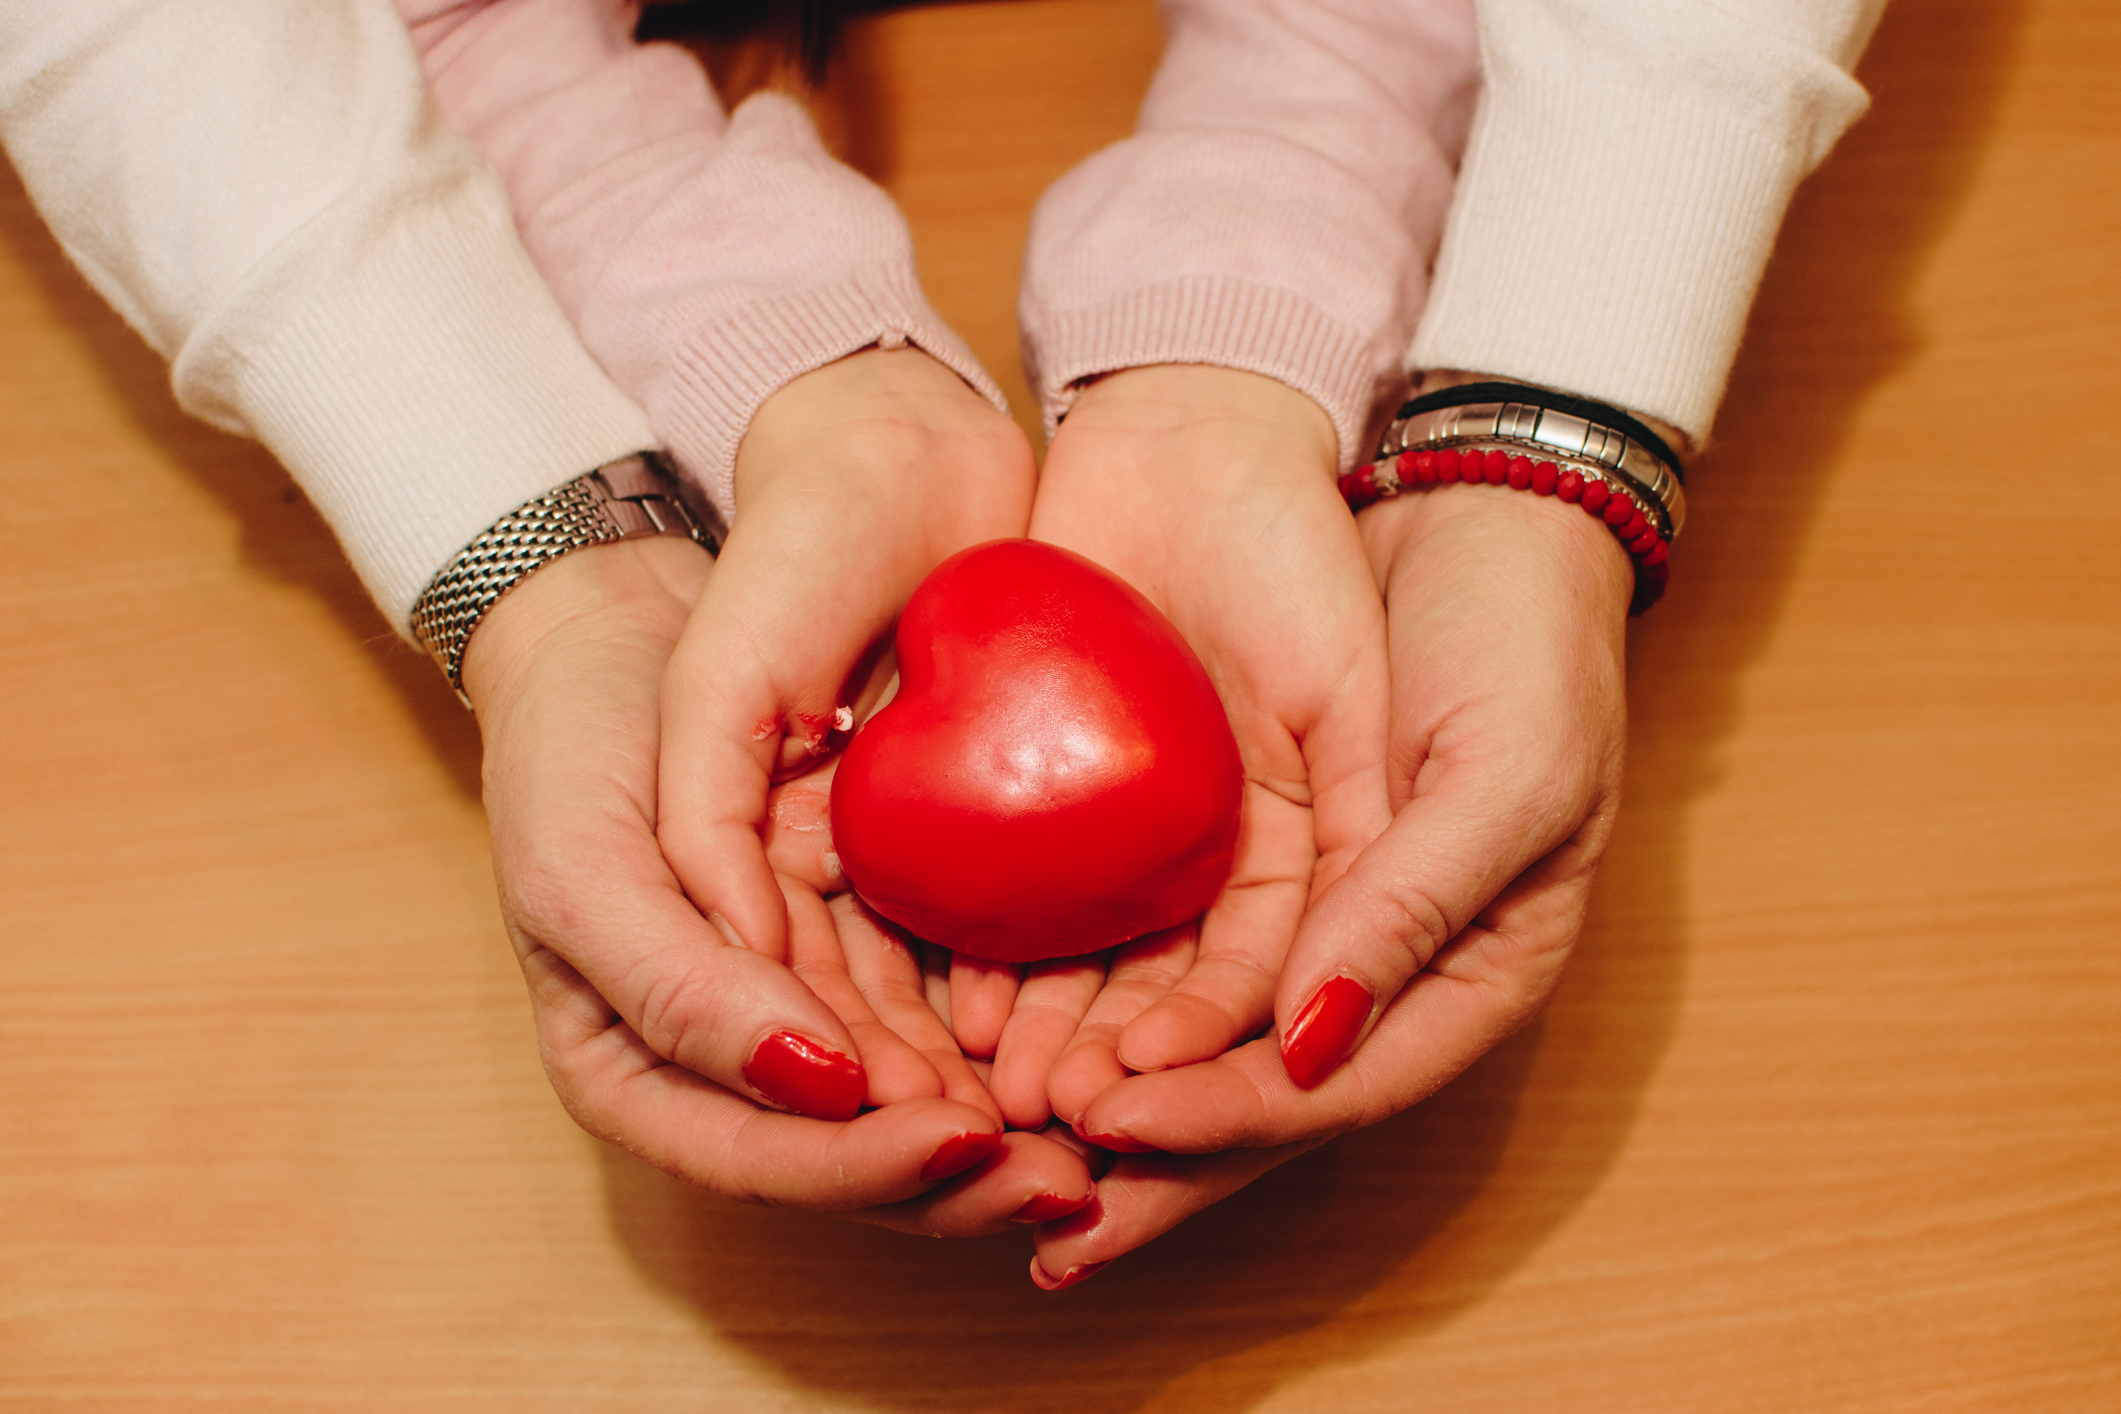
pixel 638 1002
pixel 853 482
pixel 1222 511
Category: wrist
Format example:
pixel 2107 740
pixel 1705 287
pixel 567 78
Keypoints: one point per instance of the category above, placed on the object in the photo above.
pixel 1181 393
pixel 627 499
pixel 1541 546
pixel 1435 379
pixel 1606 461
pixel 1202 420
pixel 867 405
pixel 621 591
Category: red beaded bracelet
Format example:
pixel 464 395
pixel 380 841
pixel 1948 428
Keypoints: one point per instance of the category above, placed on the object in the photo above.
pixel 1632 523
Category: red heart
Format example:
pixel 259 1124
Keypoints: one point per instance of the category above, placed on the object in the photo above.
pixel 1056 774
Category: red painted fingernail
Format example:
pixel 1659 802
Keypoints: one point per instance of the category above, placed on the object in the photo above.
pixel 1068 1278
pixel 1325 1030
pixel 958 1153
pixel 1117 1143
pixel 808 1078
pixel 1048 1206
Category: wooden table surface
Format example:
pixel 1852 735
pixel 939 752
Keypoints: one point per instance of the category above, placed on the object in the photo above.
pixel 1827 1115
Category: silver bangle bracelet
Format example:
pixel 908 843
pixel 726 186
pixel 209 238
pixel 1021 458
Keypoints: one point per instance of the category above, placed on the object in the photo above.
pixel 624 500
pixel 1616 458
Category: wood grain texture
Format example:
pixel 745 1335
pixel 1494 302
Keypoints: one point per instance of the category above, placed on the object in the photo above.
pixel 1827 1115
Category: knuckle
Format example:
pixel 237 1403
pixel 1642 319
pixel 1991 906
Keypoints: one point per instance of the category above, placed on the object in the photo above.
pixel 1238 977
pixel 675 1006
pixel 1417 924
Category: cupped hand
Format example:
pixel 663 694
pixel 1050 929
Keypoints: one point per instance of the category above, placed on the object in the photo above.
pixel 852 482
pixel 1449 931
pixel 1212 492
pixel 660 1034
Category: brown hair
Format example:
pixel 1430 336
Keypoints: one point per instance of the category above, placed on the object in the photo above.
pixel 807 31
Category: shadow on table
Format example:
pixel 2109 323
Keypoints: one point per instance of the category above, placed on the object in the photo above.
pixel 1391 1232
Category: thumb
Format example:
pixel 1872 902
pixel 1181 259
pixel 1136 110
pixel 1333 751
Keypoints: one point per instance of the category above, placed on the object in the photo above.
pixel 754 692
pixel 1446 855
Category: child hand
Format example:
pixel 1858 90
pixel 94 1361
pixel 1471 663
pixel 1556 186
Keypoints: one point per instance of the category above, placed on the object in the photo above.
pixel 1212 491
pixel 852 483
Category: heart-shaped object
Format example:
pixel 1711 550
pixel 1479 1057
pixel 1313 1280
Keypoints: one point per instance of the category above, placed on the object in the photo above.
pixel 1056 774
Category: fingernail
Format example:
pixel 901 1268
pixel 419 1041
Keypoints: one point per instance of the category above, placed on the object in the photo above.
pixel 806 1077
pixel 1070 1277
pixel 1117 1143
pixel 1048 1206
pixel 1325 1030
pixel 958 1153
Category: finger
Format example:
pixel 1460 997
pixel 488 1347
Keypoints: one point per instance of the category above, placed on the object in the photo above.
pixel 797 835
pixel 1027 1179
pixel 1481 816
pixel 735 1016
pixel 897 1071
pixel 759 686
pixel 1050 1004
pixel 1228 992
pixel 1432 1030
pixel 935 977
pixel 855 480
pixel 1099 1160
pixel 730 1014
pixel 1484 986
pixel 730 695
pixel 1290 856
pixel 620 1089
pixel 982 994
pixel 884 965
pixel 1141 972
pixel 1144 1196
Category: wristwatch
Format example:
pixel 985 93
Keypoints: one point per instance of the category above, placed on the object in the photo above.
pixel 623 500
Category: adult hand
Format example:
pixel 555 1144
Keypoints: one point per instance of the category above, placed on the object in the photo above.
pixel 1212 492
pixel 659 1034
pixel 1508 722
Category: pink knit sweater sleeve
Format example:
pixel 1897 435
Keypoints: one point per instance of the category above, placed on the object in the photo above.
pixel 706 259
pixel 1276 210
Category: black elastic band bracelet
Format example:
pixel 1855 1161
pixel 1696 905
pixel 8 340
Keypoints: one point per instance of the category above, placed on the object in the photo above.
pixel 1600 413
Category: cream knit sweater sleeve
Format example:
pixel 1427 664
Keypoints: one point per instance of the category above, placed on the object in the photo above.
pixel 263 191
pixel 1627 172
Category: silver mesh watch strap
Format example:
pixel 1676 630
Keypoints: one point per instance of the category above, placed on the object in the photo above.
pixel 622 501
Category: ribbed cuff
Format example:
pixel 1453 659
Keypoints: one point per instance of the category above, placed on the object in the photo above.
pixel 430 389
pixel 1229 246
pixel 724 369
pixel 1210 319
pixel 1608 241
